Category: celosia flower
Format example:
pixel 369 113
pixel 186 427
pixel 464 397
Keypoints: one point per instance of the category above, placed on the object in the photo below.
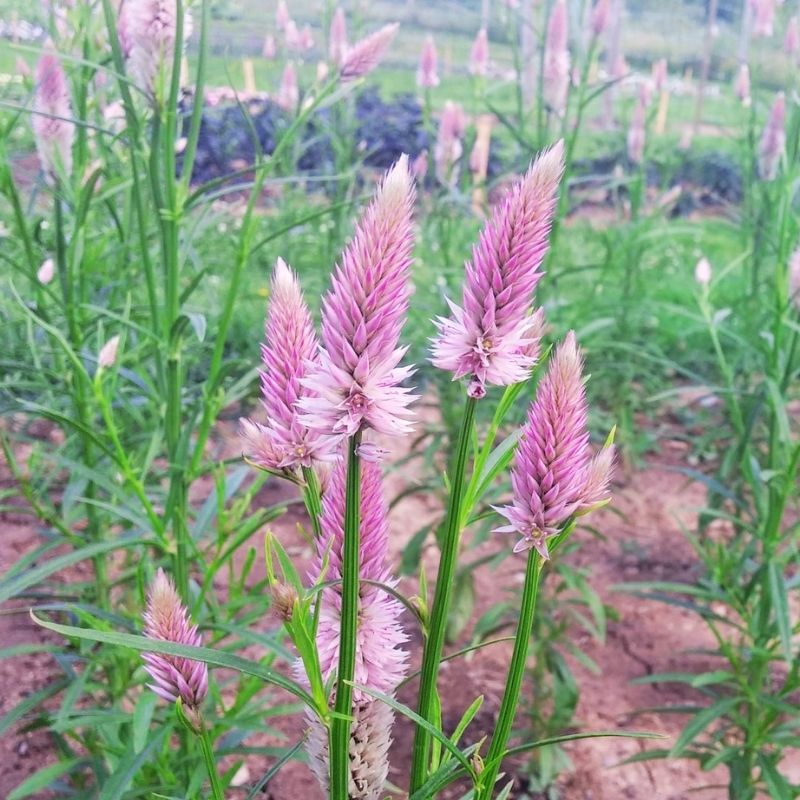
pixel 290 346
pixel 773 140
pixel 52 130
pixel 448 148
pixel 490 336
pixel 307 38
pixel 337 43
pixel 288 96
pixel 763 17
pixel 46 271
pixel 549 476
pixel 427 72
pixel 292 37
pixel 381 661
pixel 282 16
pixel 637 130
pixel 108 353
pixel 269 50
pixel 659 74
pixel 365 54
pixel 167 620
pixel 357 380
pixel 149 29
pixel 741 85
pixel 702 272
pixel 600 16
pixel 323 70
pixel 419 167
pixel 556 59
pixel 794 278
pixel 596 491
pixel 791 41
pixel 479 54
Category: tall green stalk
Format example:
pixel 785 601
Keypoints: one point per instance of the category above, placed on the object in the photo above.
pixel 211 766
pixel 340 725
pixel 508 705
pixel 432 654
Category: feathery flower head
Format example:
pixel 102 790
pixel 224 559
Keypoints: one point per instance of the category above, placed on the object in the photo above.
pixel 52 131
pixel 381 661
pixel 290 347
pixel 596 491
pixel 794 278
pixel 269 49
pixel 492 335
pixel 282 16
pixel 288 96
pixel 637 131
pixel 763 17
pixel 357 380
pixel 791 40
pixel 167 619
pixel 448 150
pixel 292 37
pixel 337 43
pixel 741 86
pixel 46 271
pixel 479 54
pixel 703 272
pixel 549 475
pixel 773 140
pixel 365 54
pixel 108 353
pixel 659 74
pixel 601 13
pixel 307 38
pixel 419 166
pixel 427 72
pixel 150 27
pixel 556 72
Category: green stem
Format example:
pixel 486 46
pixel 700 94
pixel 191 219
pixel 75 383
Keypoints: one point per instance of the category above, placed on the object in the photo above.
pixel 432 654
pixel 211 766
pixel 340 725
pixel 312 499
pixel 508 706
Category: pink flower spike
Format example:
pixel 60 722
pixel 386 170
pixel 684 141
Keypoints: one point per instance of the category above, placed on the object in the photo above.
pixel 46 271
pixel 427 73
pixel 337 43
pixel 741 86
pixel 596 492
pixel 479 54
pixel 773 140
pixel 167 620
pixel 357 382
pixel 549 476
pixel 269 48
pixel 556 70
pixel 601 13
pixel 107 356
pixel 288 96
pixel 52 130
pixel 282 16
pixel 794 278
pixel 290 346
pixel 659 74
pixel 791 40
pixel 492 336
pixel 448 148
pixel 365 55
pixel 763 17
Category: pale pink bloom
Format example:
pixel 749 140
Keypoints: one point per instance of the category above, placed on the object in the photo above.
pixel 46 271
pixel 123 28
pixel 381 661
pixel 290 346
pixel 357 380
pixel 448 148
pixel 150 28
pixel 601 13
pixel 167 620
pixel 791 41
pixel 419 167
pixel 702 272
pixel 108 353
pixel 427 72
pixel 491 336
pixel 479 54
pixel 552 462
pixel 307 38
pixel 794 278
pixel 763 17
pixel 22 68
pixel 323 70
pixel 637 131
pixel 596 489
pixel 282 16
pixel 269 49
pixel 292 37
pixel 659 74
pixel 288 96
pixel 365 54
pixel 741 85
pixel 620 68
pixel 337 42
pixel 773 140
pixel 556 67
pixel 52 130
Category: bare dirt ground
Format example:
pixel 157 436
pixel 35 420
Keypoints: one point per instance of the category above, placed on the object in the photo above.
pixel 643 540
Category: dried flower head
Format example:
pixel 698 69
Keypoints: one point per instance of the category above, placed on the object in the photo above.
pixel 357 381
pixel 365 54
pixel 491 335
pixel 52 130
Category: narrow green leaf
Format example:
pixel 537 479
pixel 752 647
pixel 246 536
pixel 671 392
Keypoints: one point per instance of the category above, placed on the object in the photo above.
pixel 30 703
pixel 780 603
pixel 700 722
pixel 42 778
pixel 115 786
pixel 142 716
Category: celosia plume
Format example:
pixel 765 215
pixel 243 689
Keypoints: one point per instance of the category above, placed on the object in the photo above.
pixel 337 44
pixel 659 74
pixel 282 15
pixel 52 131
pixel 601 13
pixel 703 272
pixel 448 148
pixel 289 348
pixel 365 54
pixel 551 466
pixel 773 140
pixel 763 17
pixel 479 54
pixel 150 27
pixel 269 49
pixel 381 661
pixel 556 65
pixel 167 620
pixel 46 271
pixel 794 278
pixel 791 41
pixel 419 167
pixel 490 336
pixel 637 133
pixel 427 72
pixel 108 353
pixel 741 85
pixel 307 38
pixel 288 96
pixel 292 37
pixel 596 489
pixel 357 380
